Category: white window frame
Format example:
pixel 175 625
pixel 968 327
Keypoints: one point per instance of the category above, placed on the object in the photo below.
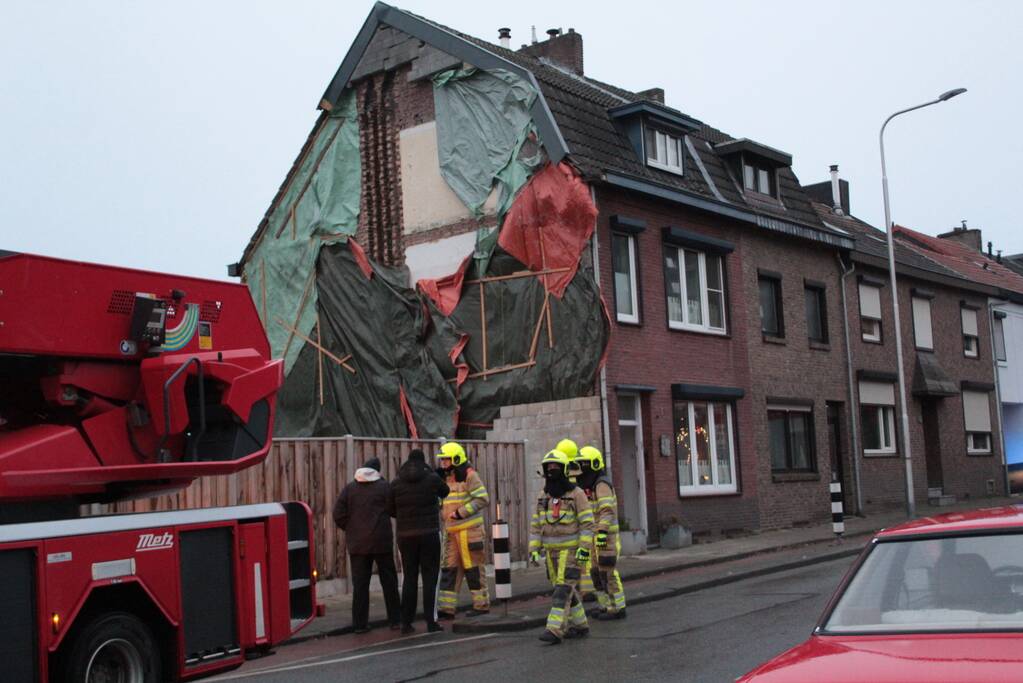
pixel 970 350
pixel 704 327
pixel 972 449
pixel 633 284
pixel 887 417
pixel 874 336
pixel 923 326
pixel 653 156
pixel 713 489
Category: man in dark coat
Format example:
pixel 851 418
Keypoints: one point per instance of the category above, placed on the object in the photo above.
pixel 361 512
pixel 415 504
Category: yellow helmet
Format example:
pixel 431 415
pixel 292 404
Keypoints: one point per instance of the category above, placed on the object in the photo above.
pixel 593 456
pixel 569 448
pixel 454 452
pixel 555 456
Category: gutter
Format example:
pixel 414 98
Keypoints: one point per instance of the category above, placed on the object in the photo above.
pixel 854 427
pixel 603 371
pixel 921 274
pixel 688 199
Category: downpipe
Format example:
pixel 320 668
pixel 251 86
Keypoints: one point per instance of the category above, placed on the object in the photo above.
pixel 853 418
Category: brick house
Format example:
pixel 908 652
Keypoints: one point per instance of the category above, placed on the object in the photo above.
pixel 730 397
pixel 949 381
pixel 961 250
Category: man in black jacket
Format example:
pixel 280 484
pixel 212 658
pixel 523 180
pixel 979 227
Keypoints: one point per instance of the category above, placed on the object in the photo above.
pixel 415 503
pixel 361 512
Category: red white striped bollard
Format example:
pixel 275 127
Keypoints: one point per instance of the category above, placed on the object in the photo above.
pixel 837 519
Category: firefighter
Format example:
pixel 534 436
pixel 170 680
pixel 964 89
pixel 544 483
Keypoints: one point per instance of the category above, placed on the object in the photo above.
pixel 562 529
pixel 465 547
pixel 604 577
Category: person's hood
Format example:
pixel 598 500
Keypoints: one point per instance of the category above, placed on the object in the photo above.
pixel 413 471
pixel 366 474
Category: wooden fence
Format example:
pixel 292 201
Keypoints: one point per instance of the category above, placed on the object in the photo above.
pixel 315 471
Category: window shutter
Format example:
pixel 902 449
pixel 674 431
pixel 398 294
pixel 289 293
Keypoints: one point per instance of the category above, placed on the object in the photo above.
pixel 877 393
pixel 970 322
pixel 977 411
pixel 922 323
pixel 870 301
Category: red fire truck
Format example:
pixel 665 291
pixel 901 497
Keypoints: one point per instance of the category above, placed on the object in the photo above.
pixel 119 384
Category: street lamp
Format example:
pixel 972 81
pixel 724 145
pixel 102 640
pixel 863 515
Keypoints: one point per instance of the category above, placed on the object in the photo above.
pixel 910 502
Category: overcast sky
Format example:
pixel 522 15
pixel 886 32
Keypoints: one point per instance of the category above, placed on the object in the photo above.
pixel 155 135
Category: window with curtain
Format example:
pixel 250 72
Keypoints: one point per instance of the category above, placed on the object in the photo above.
pixel 695 288
pixel 704 447
pixel 816 314
pixel 772 321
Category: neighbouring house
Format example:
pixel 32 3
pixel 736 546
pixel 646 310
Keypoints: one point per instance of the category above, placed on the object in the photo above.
pixel 487 242
pixel 961 250
pixel 954 436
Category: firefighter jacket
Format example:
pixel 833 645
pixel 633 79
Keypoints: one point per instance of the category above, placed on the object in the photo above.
pixel 562 523
pixel 469 498
pixel 605 506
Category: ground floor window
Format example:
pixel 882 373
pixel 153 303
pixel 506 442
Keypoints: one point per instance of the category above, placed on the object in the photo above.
pixel 704 448
pixel 977 419
pixel 792 438
pixel 877 417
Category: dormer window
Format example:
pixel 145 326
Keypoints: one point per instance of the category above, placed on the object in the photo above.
pixel 663 150
pixel 758 177
pixel 755 165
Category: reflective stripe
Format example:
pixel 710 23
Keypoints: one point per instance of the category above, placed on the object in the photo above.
pixel 469 508
pixel 480 492
pixel 476 520
pixel 562 561
pixel 463 548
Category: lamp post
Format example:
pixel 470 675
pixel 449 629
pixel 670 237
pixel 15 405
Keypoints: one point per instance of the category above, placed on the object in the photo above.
pixel 889 228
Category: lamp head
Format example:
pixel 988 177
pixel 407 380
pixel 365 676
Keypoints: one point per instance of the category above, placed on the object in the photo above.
pixel 950 94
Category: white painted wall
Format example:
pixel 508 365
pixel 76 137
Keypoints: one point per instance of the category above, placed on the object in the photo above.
pixel 427 201
pixel 1010 372
pixel 440 258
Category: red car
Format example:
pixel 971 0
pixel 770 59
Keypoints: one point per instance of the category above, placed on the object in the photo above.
pixel 936 599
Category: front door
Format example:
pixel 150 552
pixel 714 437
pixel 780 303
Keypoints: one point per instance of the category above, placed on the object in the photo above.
pixel 835 446
pixel 932 444
pixel 630 462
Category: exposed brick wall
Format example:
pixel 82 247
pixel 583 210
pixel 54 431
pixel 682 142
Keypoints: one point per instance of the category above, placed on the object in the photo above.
pixel 965 476
pixel 651 354
pixel 565 49
pixel 543 425
pixel 793 368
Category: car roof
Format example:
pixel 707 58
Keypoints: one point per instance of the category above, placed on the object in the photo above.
pixel 996 519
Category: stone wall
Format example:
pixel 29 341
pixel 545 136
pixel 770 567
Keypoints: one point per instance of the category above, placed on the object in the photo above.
pixel 543 425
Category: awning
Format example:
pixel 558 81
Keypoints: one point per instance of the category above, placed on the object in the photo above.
pixel 929 379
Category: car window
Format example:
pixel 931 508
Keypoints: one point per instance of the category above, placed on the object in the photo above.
pixel 967 583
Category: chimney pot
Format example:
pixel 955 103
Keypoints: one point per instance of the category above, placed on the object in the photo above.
pixel 553 32
pixel 571 30
pixel 504 35
pixel 836 192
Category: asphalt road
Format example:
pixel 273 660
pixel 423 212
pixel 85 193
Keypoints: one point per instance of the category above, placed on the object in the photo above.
pixel 711 635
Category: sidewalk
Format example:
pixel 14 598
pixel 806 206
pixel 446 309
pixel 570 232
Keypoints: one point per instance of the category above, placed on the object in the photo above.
pixel 773 551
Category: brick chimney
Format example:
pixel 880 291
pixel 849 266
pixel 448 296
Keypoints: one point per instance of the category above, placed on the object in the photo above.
pixel 971 237
pixel 564 49
pixel 652 94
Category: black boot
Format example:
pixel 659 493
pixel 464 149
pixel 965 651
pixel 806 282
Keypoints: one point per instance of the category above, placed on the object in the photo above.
pixel 577 632
pixel 611 616
pixel 550 638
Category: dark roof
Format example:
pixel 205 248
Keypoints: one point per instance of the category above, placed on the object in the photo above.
pixel 872 243
pixel 771 154
pixel 573 118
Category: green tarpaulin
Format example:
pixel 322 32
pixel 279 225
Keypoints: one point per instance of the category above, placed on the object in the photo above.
pixel 320 205
pixel 483 127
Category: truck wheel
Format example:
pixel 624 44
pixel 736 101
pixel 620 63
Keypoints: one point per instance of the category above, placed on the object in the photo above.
pixel 114 648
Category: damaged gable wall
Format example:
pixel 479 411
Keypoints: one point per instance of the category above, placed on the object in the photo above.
pixel 383 359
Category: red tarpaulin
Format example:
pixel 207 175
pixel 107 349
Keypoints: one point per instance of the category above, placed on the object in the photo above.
pixel 360 258
pixel 549 224
pixel 406 410
pixel 445 291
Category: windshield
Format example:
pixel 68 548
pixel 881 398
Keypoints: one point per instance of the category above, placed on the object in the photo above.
pixel 967 583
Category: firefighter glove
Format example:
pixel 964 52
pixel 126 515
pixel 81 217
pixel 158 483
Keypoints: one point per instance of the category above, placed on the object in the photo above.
pixel 601 539
pixel 534 557
pixel 582 554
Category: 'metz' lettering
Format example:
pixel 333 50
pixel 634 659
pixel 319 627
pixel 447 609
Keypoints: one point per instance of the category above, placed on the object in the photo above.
pixel 154 542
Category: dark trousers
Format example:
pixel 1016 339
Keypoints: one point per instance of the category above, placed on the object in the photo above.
pixel 420 555
pixel 362 572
